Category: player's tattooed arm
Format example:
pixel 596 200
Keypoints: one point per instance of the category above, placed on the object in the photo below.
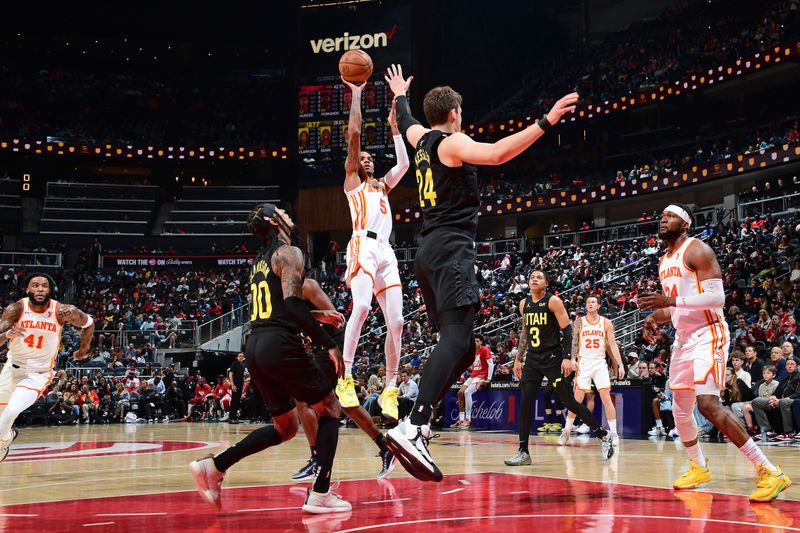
pixel 72 315
pixel 351 164
pixel 522 345
pixel 576 337
pixel 288 263
pixel 9 317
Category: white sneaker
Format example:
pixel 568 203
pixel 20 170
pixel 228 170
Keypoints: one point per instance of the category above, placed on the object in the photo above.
pixel 325 503
pixel 583 429
pixel 607 448
pixel 673 433
pixel 520 459
pixel 563 439
pixel 657 431
pixel 409 443
pixel 208 480
pixel 614 437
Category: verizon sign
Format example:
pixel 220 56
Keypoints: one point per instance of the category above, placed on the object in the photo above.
pixel 352 42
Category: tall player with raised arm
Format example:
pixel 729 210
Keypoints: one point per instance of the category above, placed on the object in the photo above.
pixel 693 299
pixel 444 266
pixel 32 326
pixel 371 263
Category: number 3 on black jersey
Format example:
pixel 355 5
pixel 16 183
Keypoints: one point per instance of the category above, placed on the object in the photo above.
pixel 262 301
pixel 425 186
pixel 535 340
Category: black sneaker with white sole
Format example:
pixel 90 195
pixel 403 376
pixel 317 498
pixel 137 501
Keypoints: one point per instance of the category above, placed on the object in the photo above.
pixel 388 460
pixel 307 473
pixel 409 444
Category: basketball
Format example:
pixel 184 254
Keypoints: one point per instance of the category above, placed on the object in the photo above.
pixel 355 66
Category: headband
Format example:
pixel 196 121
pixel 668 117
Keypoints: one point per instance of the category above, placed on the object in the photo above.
pixel 681 212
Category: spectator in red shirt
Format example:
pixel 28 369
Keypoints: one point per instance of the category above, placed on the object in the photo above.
pixel 88 401
pixel 478 379
pixel 222 397
pixel 202 390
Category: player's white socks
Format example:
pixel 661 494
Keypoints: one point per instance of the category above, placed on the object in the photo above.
pixel 461 416
pixel 659 424
pixel 612 425
pixel 751 450
pixel 570 422
pixel 696 454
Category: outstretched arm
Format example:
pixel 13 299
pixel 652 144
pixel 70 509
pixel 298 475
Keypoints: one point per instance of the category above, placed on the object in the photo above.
pixel 392 178
pixel 459 147
pixel 408 125
pixel 72 315
pixel 351 179
pixel 8 331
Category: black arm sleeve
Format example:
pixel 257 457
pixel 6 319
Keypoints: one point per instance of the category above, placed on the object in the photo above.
pixel 404 118
pixel 299 313
pixel 566 342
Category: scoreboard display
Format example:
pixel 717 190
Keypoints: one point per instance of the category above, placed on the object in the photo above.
pixel 323 116
pixel 323 101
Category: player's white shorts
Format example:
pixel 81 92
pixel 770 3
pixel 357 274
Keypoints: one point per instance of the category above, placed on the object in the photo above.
pixel 12 378
pixel 593 370
pixel 376 258
pixel 698 363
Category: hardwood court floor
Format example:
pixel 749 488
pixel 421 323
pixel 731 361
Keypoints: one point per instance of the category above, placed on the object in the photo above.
pixel 132 477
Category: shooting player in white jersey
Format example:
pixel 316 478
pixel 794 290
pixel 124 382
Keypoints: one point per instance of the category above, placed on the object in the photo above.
pixel 371 263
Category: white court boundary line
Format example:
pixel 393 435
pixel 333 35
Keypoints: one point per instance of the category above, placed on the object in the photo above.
pixel 494 517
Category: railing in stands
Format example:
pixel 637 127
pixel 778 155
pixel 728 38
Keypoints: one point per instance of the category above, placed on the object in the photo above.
pixel 779 204
pixel 223 323
pixel 619 232
pixel 485 249
pixel 30 259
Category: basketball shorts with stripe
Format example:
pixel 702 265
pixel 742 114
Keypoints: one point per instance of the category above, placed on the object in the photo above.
pixel 698 363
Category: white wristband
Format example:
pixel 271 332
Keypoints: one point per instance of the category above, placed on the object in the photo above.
pixel 89 322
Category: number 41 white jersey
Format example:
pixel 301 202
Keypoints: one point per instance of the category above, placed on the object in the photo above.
pixel 36 350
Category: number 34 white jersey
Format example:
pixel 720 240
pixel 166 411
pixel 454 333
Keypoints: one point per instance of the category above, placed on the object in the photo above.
pixel 36 350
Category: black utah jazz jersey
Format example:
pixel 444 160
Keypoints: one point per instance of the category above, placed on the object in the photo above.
pixel 267 308
pixel 448 196
pixel 544 333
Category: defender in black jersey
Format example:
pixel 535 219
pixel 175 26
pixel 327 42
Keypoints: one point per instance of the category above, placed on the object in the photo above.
pixel 318 300
pixel 279 366
pixel 449 198
pixel 545 351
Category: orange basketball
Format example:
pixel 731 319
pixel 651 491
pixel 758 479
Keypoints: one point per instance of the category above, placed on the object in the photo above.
pixel 355 66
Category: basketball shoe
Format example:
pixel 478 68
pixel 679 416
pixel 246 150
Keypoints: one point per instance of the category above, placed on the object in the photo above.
pixel 409 443
pixel 388 402
pixel 307 472
pixel 694 477
pixel 770 484
pixel 329 502
pixel 563 439
pixel 388 460
pixel 520 459
pixel 346 392
pixel 5 445
pixel 544 428
pixel 583 429
pixel 208 480
pixel 607 448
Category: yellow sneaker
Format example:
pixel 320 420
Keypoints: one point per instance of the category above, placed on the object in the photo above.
pixel 769 484
pixel 694 477
pixel 346 392
pixel 388 402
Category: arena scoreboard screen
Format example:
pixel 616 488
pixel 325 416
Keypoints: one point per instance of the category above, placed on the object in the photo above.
pixel 323 101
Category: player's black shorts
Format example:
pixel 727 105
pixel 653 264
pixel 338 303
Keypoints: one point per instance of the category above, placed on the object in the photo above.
pixel 445 270
pixel 283 371
pixel 541 365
